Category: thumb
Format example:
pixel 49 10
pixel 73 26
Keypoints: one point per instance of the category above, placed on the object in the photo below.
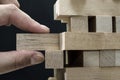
pixel 13 60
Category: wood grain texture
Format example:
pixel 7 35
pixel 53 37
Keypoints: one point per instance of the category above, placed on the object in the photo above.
pixel 93 73
pixel 37 41
pixel 89 41
pixel 67 8
pixel 107 58
pixel 104 24
pixel 79 24
pixel 54 59
pixel 91 58
pixel 117 57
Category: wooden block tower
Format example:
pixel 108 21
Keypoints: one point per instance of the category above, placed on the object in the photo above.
pixel 90 49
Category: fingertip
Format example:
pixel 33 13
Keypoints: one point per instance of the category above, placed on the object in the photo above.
pixel 45 28
pixel 37 58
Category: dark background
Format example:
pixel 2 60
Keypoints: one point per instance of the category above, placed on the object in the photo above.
pixel 41 11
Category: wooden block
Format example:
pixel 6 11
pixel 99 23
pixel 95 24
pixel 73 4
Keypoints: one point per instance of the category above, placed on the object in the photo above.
pixel 55 11
pixel 91 58
pixel 79 24
pixel 117 57
pixel 37 41
pixel 117 23
pixel 59 74
pixel 104 24
pixel 117 29
pixel 107 58
pixel 89 41
pixel 67 8
pixel 63 19
pixel 93 73
pixel 54 59
pixel 52 78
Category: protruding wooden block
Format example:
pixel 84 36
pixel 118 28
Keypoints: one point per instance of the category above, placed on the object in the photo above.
pixel 54 59
pixel 37 41
pixel 89 41
pixel 93 73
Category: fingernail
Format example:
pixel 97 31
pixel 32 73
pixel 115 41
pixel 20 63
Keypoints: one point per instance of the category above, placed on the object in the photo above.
pixel 37 58
pixel 46 29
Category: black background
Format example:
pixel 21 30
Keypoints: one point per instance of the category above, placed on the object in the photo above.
pixel 41 11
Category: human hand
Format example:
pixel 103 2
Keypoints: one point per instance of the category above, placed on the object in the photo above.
pixel 13 60
pixel 10 2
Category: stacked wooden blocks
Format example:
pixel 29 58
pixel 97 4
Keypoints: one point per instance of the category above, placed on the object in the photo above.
pixel 90 49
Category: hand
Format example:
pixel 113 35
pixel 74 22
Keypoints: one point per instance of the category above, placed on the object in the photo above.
pixel 10 14
pixel 10 2
pixel 10 61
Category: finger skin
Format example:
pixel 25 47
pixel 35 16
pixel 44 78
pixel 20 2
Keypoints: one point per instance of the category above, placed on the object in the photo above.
pixel 10 14
pixel 10 61
pixel 13 60
pixel 10 2
pixel 25 22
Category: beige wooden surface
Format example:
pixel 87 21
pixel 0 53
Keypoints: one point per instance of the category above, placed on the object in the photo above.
pixel 54 59
pixel 91 58
pixel 107 58
pixel 104 24
pixel 94 73
pixel 80 24
pixel 117 28
pixel 37 41
pixel 89 41
pixel 66 8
